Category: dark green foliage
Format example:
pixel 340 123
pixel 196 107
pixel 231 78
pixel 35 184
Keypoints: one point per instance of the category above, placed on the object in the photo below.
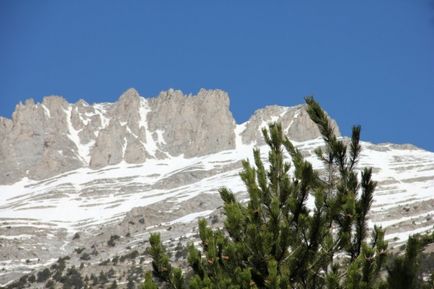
pixel 58 268
pixel 43 275
pixel 79 250
pixel 276 240
pixel 149 283
pixel 181 251
pixel 132 255
pixel 50 284
pixel 114 285
pixel 406 271
pixel 112 240
pixel 402 273
pixel 31 278
pixel 102 278
pixel 161 266
pixel 73 279
pixel 131 284
pixel 115 260
pixel 94 279
pixel 85 256
pixel 111 273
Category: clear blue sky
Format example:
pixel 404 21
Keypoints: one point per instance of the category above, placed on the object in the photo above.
pixel 368 62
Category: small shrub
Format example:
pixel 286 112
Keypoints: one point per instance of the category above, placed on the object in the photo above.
pixel 79 250
pixel 31 278
pixel 94 252
pixel 111 273
pixel 114 285
pixel 43 275
pixel 102 279
pixel 85 256
pixel 94 279
pixel 131 284
pixel 73 279
pixel 214 219
pixel 50 284
pixel 112 240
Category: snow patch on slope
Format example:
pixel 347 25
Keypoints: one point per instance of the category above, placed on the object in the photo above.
pixel 239 129
pixel 151 145
pixel 67 201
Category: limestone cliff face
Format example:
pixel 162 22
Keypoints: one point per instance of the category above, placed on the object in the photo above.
pixel 49 138
pixel 295 123
pixel 192 125
pixel 171 124
pixel 35 142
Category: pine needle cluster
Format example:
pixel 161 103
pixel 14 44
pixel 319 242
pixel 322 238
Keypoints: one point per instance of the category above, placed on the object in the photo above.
pixel 277 241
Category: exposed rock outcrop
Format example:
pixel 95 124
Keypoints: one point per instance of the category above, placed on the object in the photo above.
pixel 36 142
pixel 192 125
pixel 295 122
pixel 52 137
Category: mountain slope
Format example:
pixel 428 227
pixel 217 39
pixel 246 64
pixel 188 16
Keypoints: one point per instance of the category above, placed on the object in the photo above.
pixel 139 165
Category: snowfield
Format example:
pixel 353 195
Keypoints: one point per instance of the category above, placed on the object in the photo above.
pixel 86 197
pixel 36 213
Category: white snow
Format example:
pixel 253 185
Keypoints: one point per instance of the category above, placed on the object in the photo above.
pixel 151 145
pixel 191 217
pixel 100 109
pixel 83 151
pixel 13 237
pixel 46 111
pixel 33 203
pixel 296 114
pixel 160 138
pixel 403 236
pixel 239 129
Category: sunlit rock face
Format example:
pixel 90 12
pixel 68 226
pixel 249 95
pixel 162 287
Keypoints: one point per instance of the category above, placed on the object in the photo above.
pixel 45 139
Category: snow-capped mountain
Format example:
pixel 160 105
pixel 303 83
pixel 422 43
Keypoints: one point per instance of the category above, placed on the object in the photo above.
pixel 67 168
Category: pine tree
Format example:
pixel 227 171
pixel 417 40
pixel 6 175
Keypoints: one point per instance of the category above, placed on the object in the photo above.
pixel 276 240
pixel 149 284
pixel 403 271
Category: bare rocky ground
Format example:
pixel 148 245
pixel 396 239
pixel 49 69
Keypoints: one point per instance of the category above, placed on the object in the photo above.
pixel 117 252
pixel 114 255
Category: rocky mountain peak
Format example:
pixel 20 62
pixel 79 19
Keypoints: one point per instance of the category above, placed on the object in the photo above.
pixel 48 138
pixel 81 103
pixel 216 95
pixel 170 94
pixel 295 122
pixel 130 98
